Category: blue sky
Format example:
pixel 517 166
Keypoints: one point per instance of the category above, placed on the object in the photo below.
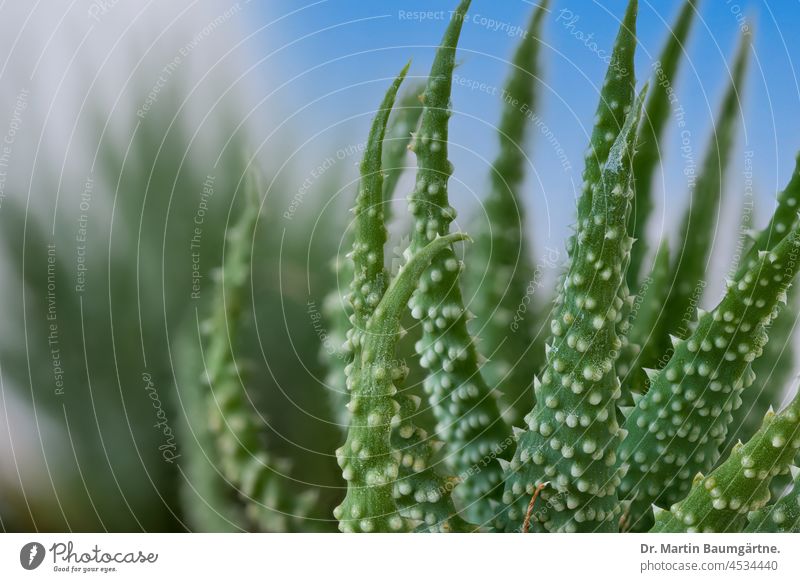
pixel 343 53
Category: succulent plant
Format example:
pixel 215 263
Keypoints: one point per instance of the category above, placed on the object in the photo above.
pixel 721 501
pixel 593 460
pixel 572 433
pixel 336 309
pixel 369 464
pixel 678 427
pixel 780 517
pixel 633 411
pixel 466 409
pixel 773 369
pixel 258 477
pixel 658 109
pixel 501 273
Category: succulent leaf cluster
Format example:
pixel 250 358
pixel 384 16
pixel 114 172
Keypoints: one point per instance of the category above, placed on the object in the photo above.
pixel 633 401
pixel 336 309
pixel 722 501
pixel 572 433
pixel 369 463
pixel 678 427
pixel 620 433
pixel 466 409
pixel 501 272
pixel 659 108
pixel 258 477
pixel 607 438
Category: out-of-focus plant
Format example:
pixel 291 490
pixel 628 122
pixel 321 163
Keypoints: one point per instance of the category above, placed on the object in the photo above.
pixel 629 427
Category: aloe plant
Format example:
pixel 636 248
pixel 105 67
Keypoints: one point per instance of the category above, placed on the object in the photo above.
pixel 336 310
pixel 466 409
pixel 773 369
pixel 698 228
pixel 721 501
pixel 258 477
pixel 497 284
pixel 368 462
pixel 571 433
pixel 591 460
pixel 660 107
pixel 676 429
pixel 588 472
pixel 781 517
pixel 627 429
